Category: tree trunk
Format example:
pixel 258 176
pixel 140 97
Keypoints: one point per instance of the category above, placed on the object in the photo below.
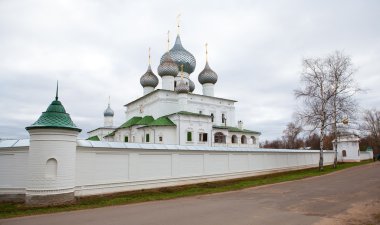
pixel 321 146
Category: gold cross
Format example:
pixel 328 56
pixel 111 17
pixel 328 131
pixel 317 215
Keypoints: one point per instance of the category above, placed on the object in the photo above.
pixel 178 20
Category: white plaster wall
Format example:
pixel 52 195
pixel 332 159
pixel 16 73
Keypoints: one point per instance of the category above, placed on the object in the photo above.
pixel 13 169
pixel 352 151
pixel 194 124
pixel 109 167
pixel 163 102
pixel 107 170
pixel 366 155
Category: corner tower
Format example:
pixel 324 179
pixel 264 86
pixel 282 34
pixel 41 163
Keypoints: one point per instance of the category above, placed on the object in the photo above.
pixel 52 157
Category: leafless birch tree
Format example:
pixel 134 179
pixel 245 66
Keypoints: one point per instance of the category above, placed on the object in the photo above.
pixel 327 94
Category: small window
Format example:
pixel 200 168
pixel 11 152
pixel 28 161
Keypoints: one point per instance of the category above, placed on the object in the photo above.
pixel 189 136
pixel 212 117
pixel 175 83
pixel 51 168
pixel 147 138
pixel 126 139
pixel 160 138
pixel 344 153
pixel 223 118
pixel 202 137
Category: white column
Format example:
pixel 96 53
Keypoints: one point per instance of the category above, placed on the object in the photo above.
pixel 108 121
pixel 168 83
pixel 208 89
pixel 182 100
pixel 147 90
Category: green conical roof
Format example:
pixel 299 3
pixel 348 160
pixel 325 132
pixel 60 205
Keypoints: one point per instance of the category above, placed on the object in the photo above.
pixel 55 116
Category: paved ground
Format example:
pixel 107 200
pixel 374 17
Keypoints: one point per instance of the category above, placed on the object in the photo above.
pixel 350 196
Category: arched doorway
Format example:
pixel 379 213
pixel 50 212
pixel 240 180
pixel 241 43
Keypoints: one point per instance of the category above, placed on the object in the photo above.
pixel 243 139
pixel 253 139
pixel 234 139
pixel 219 137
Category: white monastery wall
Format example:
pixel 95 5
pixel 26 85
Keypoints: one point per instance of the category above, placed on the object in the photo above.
pixel 13 170
pixel 109 167
pixel 115 167
pixel 366 155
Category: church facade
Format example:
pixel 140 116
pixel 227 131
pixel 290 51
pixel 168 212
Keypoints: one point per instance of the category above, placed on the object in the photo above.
pixel 176 115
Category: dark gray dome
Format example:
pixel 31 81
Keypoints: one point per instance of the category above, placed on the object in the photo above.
pixel 182 87
pixel 167 67
pixel 149 79
pixel 207 75
pixel 181 57
pixel 191 86
pixel 108 111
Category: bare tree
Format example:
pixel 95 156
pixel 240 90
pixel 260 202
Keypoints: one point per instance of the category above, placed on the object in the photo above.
pixel 290 135
pixel 327 93
pixel 316 95
pixel 343 85
pixel 371 124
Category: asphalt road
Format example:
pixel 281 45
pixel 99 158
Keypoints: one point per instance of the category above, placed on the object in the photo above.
pixel 328 199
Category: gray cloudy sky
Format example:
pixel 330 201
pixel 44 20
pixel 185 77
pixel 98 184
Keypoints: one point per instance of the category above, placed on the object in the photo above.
pixel 99 48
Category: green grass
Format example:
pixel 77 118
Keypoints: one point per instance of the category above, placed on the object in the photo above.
pixel 8 210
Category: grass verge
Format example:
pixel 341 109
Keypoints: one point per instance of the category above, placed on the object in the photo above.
pixel 8 210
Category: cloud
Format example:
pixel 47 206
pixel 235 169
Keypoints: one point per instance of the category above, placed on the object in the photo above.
pixel 98 49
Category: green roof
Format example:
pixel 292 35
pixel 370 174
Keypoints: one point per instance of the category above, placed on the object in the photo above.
pixel 189 114
pixel 162 121
pixel 55 116
pixel 236 129
pixel 93 138
pixel 145 121
pixel 132 121
pixel 111 134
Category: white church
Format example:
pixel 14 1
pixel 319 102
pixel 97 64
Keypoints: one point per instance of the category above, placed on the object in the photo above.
pixel 174 114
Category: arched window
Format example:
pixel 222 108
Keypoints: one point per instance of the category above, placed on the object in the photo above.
pixel 234 139
pixel 253 139
pixel 219 137
pixel 344 153
pixel 243 139
pixel 51 168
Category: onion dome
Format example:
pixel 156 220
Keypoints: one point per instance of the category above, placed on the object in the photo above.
pixel 191 86
pixel 167 67
pixel 182 87
pixel 181 57
pixel 207 75
pixel 108 111
pixel 149 79
pixel 55 116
